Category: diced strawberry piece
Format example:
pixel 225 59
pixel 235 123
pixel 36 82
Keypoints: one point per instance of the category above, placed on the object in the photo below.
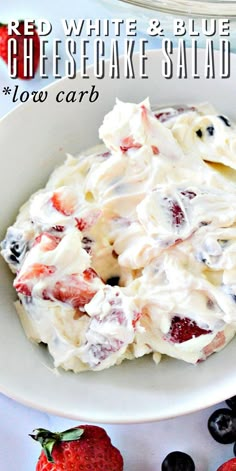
pixel 89 274
pixel 105 154
pixel 47 241
pixel 165 115
pixel 64 202
pixel 103 351
pixel 58 228
pixel 23 288
pixel 162 117
pixel 144 113
pixel 136 319
pixel 155 150
pixel 128 143
pixel 189 194
pixel 217 342
pixel 77 294
pixel 228 466
pixel 84 224
pixel 76 290
pixel 184 329
pixel 81 224
pixel 37 270
pixel 178 217
pixel 25 282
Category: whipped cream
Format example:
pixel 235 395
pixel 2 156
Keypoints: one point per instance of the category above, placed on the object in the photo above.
pixel 130 249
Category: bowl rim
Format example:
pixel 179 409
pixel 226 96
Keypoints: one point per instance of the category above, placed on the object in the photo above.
pixel 188 8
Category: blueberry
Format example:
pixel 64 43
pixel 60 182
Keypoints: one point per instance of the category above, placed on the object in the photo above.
pixel 15 249
pixel 225 120
pixel 14 246
pixel 87 244
pixel 13 259
pixel 199 133
pixel 113 281
pixel 178 461
pixel 231 402
pixel 210 129
pixel 222 426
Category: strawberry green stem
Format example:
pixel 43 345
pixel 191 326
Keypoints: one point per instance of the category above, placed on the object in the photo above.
pixel 48 439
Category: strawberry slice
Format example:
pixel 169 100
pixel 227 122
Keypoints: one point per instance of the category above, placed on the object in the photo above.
pixel 75 289
pixel 24 283
pixel 89 274
pixel 47 241
pixel 85 223
pixel 216 343
pixel 163 116
pixel 184 329
pixel 177 214
pixel 137 317
pixel 228 465
pixel 155 150
pixel 64 201
pixel 128 143
pixel 81 224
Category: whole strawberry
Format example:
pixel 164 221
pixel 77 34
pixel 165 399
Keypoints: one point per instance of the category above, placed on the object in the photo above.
pixel 4 37
pixel 86 447
pixel 228 466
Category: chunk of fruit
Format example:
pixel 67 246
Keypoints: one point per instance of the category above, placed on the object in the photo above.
pixel 76 290
pixel 24 283
pixel 222 425
pixel 47 241
pixel 184 329
pixel 178 461
pixel 64 201
pixel 228 466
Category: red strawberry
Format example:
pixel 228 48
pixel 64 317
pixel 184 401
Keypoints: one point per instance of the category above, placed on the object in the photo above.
pixel 128 143
pixel 81 224
pixel 89 274
pixel 75 289
pixel 64 201
pixel 85 223
pixel 165 115
pixel 24 283
pixel 155 150
pixel 177 213
pixel 228 466
pixel 183 329
pixel 47 241
pixel 4 37
pixel 85 447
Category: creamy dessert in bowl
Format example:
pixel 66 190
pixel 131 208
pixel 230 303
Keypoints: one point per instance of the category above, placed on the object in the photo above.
pixel 130 249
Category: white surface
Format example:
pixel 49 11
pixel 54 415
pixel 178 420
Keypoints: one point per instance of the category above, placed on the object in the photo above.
pixel 143 446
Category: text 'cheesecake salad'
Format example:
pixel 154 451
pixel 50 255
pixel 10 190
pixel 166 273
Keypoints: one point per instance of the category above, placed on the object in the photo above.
pixel 132 250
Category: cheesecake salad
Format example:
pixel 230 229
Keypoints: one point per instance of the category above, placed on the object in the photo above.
pixel 131 249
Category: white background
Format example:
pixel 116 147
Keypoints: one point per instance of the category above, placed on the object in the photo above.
pixel 143 446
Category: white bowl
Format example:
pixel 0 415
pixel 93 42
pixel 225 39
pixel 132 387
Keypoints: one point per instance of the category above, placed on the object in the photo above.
pixel 33 140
